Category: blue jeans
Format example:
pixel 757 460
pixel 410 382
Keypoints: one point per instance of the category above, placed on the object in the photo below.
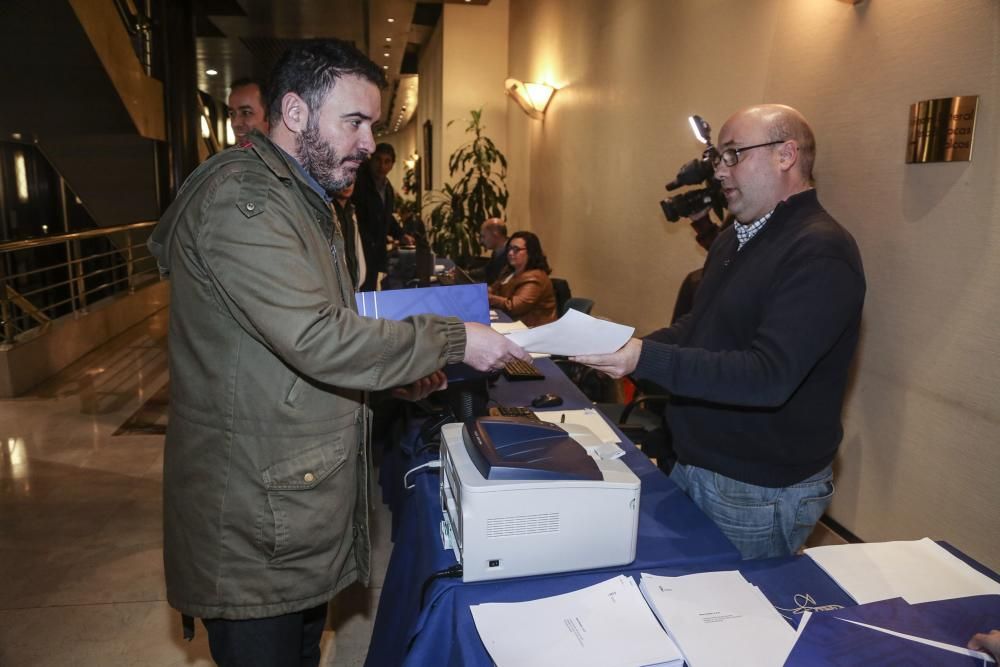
pixel 762 522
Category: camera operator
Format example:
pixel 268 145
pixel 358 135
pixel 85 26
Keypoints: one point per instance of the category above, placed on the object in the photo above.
pixel 758 369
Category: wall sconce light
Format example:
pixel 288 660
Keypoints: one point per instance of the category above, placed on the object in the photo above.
pixel 533 98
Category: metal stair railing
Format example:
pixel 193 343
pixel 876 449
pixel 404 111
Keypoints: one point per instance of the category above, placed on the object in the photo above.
pixel 79 276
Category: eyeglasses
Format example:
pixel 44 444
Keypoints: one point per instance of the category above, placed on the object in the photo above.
pixel 515 249
pixel 731 156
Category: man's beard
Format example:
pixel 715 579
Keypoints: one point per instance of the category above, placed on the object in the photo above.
pixel 322 162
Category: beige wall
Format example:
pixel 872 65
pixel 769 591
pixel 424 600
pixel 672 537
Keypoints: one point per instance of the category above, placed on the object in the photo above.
pixel 474 69
pixel 429 96
pixel 922 422
pixel 462 67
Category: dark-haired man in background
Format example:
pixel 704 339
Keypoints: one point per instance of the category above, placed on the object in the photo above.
pixel 246 108
pixel 758 368
pixel 374 203
pixel 265 470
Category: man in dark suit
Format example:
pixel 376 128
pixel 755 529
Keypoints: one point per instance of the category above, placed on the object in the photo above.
pixel 493 236
pixel 374 203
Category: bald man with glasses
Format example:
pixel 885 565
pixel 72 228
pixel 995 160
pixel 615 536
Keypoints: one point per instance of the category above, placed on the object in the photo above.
pixel 758 369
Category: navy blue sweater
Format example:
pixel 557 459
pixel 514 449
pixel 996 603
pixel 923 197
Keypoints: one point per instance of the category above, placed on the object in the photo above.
pixel 758 368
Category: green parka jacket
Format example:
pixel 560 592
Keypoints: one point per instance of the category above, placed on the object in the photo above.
pixel 265 476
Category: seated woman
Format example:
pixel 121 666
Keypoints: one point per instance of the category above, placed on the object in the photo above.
pixel 524 290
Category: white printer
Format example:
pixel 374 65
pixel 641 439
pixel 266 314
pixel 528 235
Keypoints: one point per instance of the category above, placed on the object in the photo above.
pixel 521 497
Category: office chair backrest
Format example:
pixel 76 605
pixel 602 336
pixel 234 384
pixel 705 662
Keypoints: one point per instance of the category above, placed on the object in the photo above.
pixel 578 303
pixel 561 288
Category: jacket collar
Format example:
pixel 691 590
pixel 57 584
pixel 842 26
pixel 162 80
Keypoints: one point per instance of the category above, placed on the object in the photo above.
pixel 282 164
pixel 796 202
pixel 305 175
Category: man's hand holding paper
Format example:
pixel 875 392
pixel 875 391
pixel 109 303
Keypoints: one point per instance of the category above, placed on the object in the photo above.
pixel 617 364
pixel 487 350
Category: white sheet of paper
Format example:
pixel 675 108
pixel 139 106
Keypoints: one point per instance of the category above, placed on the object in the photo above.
pixel 507 327
pixel 588 417
pixel 917 571
pixel 718 618
pixel 573 334
pixel 605 624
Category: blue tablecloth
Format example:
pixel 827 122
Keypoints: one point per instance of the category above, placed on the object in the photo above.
pixel 672 532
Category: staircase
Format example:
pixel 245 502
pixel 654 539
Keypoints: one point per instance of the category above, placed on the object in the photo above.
pixel 75 86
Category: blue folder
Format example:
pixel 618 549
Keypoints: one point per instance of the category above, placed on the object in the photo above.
pixel 468 303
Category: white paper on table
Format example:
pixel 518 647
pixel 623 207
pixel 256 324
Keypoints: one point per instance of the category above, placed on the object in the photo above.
pixel 605 624
pixel 718 618
pixel 574 333
pixel 507 327
pixel 917 571
pixel 588 417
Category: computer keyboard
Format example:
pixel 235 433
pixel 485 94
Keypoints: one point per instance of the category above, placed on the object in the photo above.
pixel 513 411
pixel 518 370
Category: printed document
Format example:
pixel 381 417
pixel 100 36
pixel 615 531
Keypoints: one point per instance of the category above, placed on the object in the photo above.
pixel 917 571
pixel 573 334
pixel 599 626
pixel 719 618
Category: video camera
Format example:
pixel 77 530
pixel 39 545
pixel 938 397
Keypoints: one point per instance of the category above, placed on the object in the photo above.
pixel 697 171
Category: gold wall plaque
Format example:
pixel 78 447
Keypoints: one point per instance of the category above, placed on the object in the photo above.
pixel 941 130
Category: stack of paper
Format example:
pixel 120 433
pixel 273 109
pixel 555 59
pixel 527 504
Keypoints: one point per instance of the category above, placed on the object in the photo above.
pixel 918 571
pixel 604 625
pixel 719 618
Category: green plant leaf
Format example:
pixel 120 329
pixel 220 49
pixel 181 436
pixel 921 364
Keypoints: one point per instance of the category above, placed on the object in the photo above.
pixel 457 210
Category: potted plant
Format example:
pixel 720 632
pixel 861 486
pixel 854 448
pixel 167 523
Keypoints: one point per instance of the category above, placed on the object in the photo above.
pixel 459 208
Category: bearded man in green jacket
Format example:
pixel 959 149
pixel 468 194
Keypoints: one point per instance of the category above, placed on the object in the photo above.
pixel 265 472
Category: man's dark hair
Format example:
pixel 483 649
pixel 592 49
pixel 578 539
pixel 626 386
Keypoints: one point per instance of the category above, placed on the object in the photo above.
pixel 247 81
pixel 536 258
pixel 387 149
pixel 311 71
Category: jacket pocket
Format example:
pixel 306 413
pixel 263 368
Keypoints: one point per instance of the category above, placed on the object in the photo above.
pixel 305 496
pixel 308 468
